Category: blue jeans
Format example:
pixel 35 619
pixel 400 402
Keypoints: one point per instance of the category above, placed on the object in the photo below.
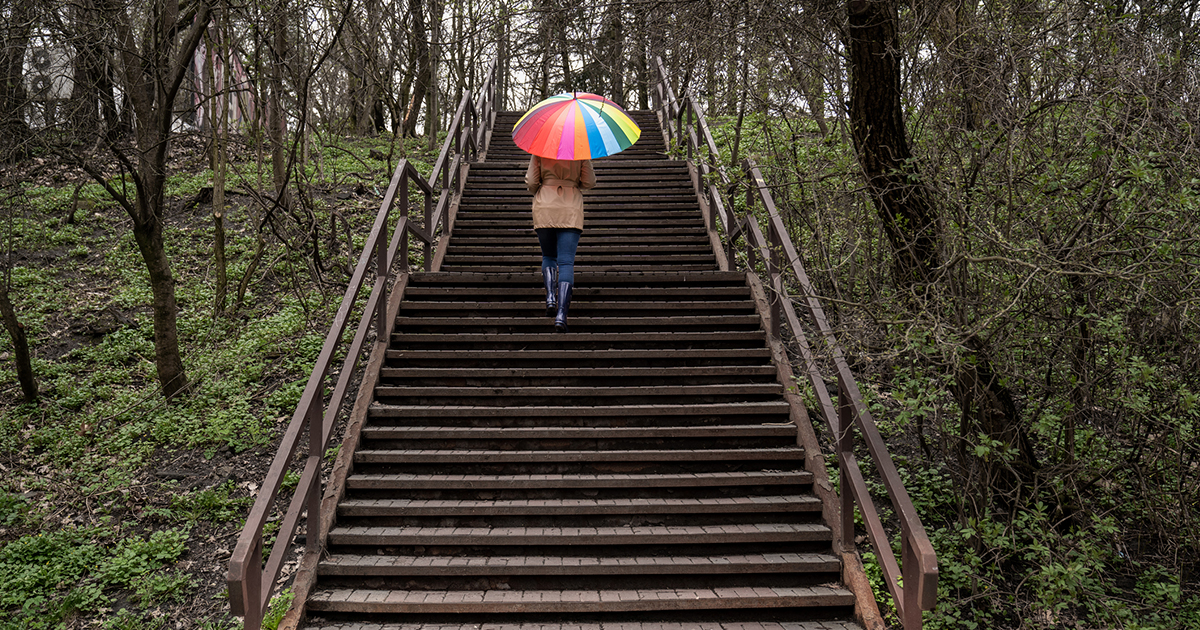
pixel 558 250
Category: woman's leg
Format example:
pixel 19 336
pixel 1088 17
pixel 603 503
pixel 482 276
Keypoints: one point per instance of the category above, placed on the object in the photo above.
pixel 548 240
pixel 568 242
pixel 566 245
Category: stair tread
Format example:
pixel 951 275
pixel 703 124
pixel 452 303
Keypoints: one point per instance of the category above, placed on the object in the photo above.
pixel 592 390
pixel 575 536
pixel 521 433
pixel 835 624
pixel 577 506
pixel 604 480
pixel 595 410
pixel 572 564
pixel 682 320
pixel 558 601
pixel 414 456
pixel 577 372
pixel 578 337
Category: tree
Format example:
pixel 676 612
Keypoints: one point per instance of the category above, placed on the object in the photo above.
pixel 420 46
pixel 152 69
pixel 16 330
pixel 18 19
pixel 877 121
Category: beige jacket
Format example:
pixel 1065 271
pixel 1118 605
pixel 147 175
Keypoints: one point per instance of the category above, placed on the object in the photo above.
pixel 556 186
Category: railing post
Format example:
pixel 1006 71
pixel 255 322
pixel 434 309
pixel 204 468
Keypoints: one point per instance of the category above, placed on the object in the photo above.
pixel 429 228
pixel 402 252
pixel 911 608
pixel 252 589
pixel 381 266
pixel 751 254
pixel 845 446
pixel 312 536
pixel 775 273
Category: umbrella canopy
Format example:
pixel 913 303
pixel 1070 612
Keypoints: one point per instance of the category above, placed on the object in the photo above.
pixel 575 126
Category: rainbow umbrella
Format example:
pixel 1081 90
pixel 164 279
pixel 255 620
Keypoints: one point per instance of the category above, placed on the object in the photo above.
pixel 575 126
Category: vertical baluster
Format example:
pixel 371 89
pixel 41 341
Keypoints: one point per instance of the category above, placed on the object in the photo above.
pixel 776 277
pixel 712 201
pixel 252 593
pixel 457 143
pixel 751 255
pixel 910 611
pixel 402 252
pixel 381 262
pixel 429 229
pixel 312 535
pixel 845 445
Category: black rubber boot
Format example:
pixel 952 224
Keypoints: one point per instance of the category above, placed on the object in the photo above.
pixel 550 279
pixel 564 304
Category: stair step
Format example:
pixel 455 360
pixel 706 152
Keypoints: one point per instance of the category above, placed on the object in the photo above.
pixel 532 267
pixel 389 391
pixel 586 355
pixel 480 456
pixel 605 279
pixel 579 338
pixel 637 239
pixel 578 565
pixel 595 259
pixel 588 625
pixel 577 507
pixel 516 230
pixel 469 322
pixel 525 481
pixel 576 433
pixel 577 305
pixel 659 373
pixel 585 250
pixel 519 601
pixel 469 411
pixel 577 536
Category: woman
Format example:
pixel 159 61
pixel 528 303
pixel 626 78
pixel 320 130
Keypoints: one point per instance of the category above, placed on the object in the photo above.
pixel 558 221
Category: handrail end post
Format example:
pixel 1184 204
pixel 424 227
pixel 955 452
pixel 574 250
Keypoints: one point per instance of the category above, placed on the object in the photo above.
pixel 245 590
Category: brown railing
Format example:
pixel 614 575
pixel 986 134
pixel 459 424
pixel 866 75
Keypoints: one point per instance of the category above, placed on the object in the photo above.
pixel 912 582
pixel 250 583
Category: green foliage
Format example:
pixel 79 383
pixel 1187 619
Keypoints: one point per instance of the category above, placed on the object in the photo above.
pixel 133 558
pixel 291 479
pixel 163 586
pixel 13 509
pixel 187 185
pixel 101 419
pixel 127 619
pixel 213 504
pixel 277 609
pixel 47 577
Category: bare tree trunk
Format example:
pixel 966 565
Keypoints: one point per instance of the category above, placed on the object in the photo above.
pixel 15 40
pixel 21 357
pixel 502 37
pixel 432 113
pixel 423 78
pixel 277 126
pixel 16 330
pixel 612 50
pixel 877 121
pixel 152 74
pixel 220 125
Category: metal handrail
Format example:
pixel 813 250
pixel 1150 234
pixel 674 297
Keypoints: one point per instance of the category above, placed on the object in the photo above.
pixel 913 583
pixel 250 583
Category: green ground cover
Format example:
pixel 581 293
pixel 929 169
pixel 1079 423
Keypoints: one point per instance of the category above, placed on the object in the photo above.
pixel 117 508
